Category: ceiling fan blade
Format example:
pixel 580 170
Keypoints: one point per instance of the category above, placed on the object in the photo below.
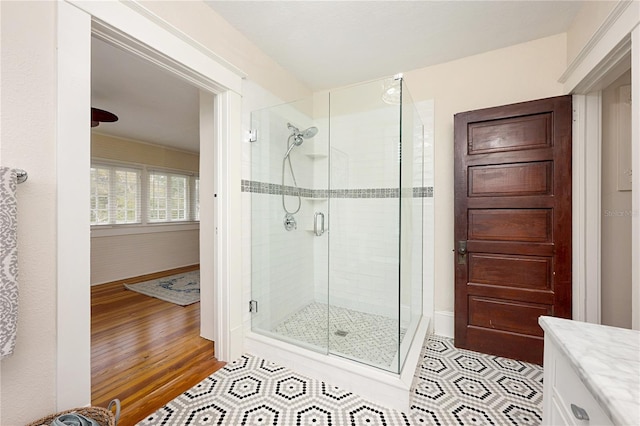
pixel 99 116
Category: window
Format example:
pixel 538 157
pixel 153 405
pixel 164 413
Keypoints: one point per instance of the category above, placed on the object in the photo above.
pixel 117 193
pixel 169 197
pixel 196 200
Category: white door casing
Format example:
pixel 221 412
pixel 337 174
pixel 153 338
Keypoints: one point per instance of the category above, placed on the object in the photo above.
pixel 612 50
pixel 130 26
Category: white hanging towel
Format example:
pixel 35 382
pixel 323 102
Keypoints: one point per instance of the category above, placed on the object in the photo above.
pixel 8 261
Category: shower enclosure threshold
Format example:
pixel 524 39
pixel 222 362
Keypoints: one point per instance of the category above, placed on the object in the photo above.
pixel 381 387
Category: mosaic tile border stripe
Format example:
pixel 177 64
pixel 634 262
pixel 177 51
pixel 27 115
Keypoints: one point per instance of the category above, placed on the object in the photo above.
pixel 277 189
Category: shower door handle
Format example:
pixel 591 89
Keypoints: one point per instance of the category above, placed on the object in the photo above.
pixel 318 224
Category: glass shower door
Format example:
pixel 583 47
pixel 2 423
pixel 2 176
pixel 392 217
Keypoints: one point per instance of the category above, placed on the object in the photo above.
pixel 289 223
pixel 364 253
pixel 336 195
pixel 412 193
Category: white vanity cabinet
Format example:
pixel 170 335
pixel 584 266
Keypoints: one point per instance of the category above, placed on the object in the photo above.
pixel 569 401
pixel 591 374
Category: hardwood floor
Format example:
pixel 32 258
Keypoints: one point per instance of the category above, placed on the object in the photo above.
pixel 145 351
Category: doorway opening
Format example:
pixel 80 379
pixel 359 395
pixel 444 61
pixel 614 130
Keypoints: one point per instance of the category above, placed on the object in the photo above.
pixel 617 212
pixel 220 111
pixel 144 228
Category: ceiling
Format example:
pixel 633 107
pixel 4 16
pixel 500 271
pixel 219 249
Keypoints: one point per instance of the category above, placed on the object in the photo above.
pixel 152 104
pixel 324 44
pixel 328 44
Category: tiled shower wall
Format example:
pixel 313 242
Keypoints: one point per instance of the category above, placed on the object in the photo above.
pixel 364 243
pixel 292 269
pixel 374 227
pixel 282 262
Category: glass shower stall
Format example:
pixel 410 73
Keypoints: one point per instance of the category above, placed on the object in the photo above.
pixel 337 188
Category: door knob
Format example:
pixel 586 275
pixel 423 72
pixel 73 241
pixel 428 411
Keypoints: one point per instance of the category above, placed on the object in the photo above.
pixel 462 252
pixel 462 247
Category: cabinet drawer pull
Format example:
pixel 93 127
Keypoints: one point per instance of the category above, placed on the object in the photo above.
pixel 580 413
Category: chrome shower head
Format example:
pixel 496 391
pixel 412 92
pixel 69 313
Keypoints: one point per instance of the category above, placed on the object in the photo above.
pixel 310 132
pixel 299 136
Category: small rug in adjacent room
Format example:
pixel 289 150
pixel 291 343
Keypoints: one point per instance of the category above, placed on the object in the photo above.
pixel 181 289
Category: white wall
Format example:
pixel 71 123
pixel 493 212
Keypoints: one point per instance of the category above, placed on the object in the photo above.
pixel 518 73
pixel 119 252
pixel 131 255
pixel 27 141
pixel 616 207
pixel 28 129
pixel 585 24
pixel 200 22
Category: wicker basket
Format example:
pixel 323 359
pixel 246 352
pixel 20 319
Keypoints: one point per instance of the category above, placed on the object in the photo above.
pixel 103 416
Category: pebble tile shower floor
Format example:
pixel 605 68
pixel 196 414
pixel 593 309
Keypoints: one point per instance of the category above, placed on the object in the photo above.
pixel 353 334
pixel 450 387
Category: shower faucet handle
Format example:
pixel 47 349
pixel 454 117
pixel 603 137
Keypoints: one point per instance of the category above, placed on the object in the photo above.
pixel 289 222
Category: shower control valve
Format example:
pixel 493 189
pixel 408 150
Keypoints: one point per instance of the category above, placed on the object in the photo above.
pixel 289 222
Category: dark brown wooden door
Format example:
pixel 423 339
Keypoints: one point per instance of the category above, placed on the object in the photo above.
pixel 512 225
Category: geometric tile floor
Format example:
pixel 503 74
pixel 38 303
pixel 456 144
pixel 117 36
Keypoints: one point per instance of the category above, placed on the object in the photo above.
pixel 369 338
pixel 451 387
pixel 459 387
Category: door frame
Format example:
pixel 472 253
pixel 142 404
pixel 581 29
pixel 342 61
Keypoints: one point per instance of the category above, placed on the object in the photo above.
pixel 136 29
pixel 614 48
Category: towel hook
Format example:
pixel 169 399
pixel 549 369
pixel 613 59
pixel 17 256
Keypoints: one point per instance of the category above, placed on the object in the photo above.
pixel 21 175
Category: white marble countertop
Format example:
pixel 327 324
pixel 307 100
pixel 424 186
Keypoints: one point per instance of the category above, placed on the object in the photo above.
pixel 607 360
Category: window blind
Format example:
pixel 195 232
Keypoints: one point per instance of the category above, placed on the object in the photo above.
pixel 130 195
pixel 115 195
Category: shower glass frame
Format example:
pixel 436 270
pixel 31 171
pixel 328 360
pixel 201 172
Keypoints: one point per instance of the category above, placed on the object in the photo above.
pixel 363 172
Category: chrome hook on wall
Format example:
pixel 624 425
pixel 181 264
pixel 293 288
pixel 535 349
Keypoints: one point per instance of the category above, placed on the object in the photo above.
pixel 21 175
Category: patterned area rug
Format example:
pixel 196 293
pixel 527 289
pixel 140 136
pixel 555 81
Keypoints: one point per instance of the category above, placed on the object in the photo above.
pixel 451 387
pixel 181 289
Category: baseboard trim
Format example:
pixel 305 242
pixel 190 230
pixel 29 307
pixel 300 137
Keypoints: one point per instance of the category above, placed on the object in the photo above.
pixel 443 323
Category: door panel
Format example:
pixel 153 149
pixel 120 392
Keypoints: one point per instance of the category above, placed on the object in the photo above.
pixel 513 225
pixel 510 271
pixel 510 180
pixel 511 293
pixel 510 134
pixel 511 316
pixel 510 225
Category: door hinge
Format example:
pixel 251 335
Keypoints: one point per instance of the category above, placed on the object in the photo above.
pixel 253 135
pixel 253 306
